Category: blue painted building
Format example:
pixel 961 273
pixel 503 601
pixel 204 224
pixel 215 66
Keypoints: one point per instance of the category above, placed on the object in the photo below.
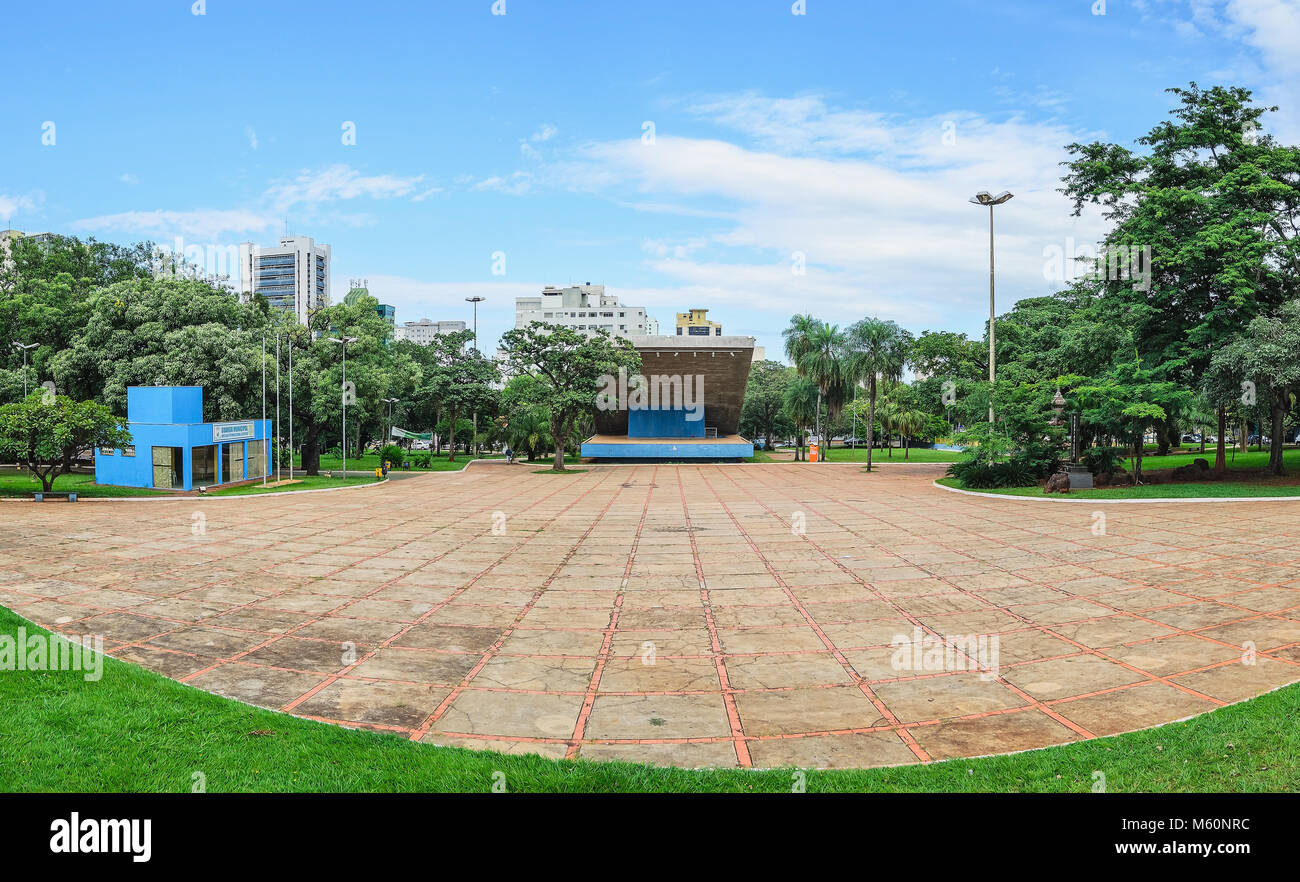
pixel 172 448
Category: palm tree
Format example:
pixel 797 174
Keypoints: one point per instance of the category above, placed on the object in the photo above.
pixel 877 353
pixel 800 406
pixel 817 351
pixel 888 413
pixel 910 422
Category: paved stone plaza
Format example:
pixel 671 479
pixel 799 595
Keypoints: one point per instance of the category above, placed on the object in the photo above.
pixel 684 615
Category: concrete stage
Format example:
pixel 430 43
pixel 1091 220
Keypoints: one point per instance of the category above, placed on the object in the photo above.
pixel 623 448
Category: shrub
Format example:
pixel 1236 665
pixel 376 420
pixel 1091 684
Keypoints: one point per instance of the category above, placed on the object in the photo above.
pixel 1104 460
pixel 981 475
pixel 422 460
pixel 392 453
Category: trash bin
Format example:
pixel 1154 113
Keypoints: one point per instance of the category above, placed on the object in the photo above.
pixel 813 450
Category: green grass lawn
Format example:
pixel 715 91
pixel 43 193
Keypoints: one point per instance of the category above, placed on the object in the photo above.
pixel 134 730
pixel 1220 489
pixel 23 484
pixel 301 482
pixel 1247 482
pixel 916 454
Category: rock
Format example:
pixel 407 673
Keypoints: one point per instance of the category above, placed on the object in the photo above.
pixel 1197 470
pixel 1058 483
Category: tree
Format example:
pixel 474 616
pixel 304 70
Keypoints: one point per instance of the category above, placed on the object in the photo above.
pixel 48 434
pixel 817 350
pixel 877 352
pixel 525 424
pixel 569 367
pixel 1129 400
pixel 1215 201
pixel 800 407
pixel 1261 364
pixel 764 397
pixel 459 379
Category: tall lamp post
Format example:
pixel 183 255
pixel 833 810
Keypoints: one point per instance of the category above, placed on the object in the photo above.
pixel 476 300
pixel 344 341
pixel 390 402
pixel 24 349
pixel 983 198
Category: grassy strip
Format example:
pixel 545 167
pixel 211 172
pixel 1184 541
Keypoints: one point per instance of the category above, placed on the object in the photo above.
pixel 135 730
pixel 1223 490
pixel 300 482
pixel 22 484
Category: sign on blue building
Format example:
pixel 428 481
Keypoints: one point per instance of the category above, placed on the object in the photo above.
pixel 174 449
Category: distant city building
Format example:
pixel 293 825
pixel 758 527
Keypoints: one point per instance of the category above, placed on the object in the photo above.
pixel 425 331
pixel 696 324
pixel 295 275
pixel 586 309
pixel 358 288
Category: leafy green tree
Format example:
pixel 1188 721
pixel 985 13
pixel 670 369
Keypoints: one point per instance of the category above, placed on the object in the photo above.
pixel 569 367
pixel 148 332
pixel 459 379
pixel 1261 363
pixel 764 397
pixel 1215 201
pixel 525 424
pixel 1130 400
pixel 47 436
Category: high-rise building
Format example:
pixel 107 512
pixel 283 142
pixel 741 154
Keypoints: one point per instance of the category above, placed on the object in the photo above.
pixel 295 275
pixel 425 331
pixel 584 308
pixel 696 324
pixel 358 288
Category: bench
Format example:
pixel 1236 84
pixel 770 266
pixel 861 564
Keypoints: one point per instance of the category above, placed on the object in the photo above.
pixel 39 495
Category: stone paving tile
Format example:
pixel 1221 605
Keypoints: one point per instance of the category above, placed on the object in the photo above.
pixel 412 616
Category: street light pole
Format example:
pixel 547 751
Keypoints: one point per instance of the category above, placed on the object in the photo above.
pixel 983 198
pixel 344 341
pixel 24 350
pixel 476 300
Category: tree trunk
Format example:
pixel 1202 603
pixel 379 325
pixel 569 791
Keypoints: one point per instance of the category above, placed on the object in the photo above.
pixel 1220 453
pixel 311 452
pixel 557 432
pixel 1275 444
pixel 1141 448
pixel 817 428
pixel 871 418
pixel 451 438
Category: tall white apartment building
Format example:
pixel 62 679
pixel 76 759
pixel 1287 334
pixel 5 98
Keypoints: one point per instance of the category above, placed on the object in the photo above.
pixel 425 331
pixel 294 275
pixel 584 308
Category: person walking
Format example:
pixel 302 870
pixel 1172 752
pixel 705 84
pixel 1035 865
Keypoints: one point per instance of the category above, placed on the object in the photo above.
pixel 510 455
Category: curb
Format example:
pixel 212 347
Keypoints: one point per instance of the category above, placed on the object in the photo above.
pixel 1168 500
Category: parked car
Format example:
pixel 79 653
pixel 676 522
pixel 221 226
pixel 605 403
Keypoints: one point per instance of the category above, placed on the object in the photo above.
pixel 1191 438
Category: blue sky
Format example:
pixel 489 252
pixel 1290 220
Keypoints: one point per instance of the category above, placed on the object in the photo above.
pixel 845 140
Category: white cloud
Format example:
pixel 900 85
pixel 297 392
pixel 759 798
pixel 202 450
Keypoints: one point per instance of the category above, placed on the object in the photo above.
pixel 337 182
pixel 210 224
pixel 545 133
pixel 128 178
pixel 516 184
pixel 1272 27
pixel 251 135
pixel 877 207
pixel 19 204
